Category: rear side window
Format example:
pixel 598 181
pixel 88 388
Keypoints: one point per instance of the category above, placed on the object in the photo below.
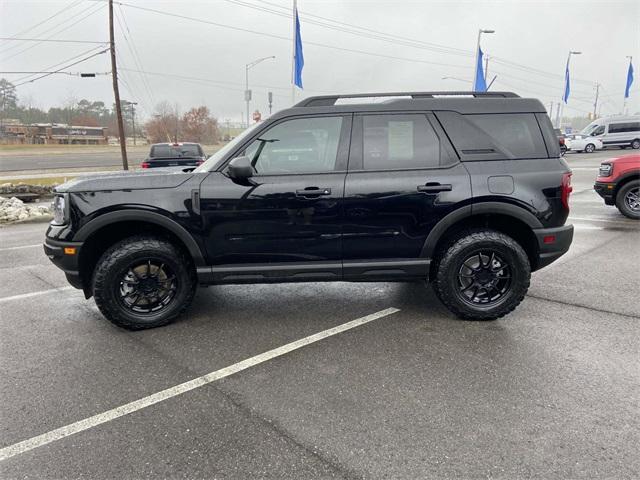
pixel 399 141
pixel 624 127
pixel 517 134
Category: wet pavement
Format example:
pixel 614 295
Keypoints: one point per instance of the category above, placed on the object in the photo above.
pixel 550 391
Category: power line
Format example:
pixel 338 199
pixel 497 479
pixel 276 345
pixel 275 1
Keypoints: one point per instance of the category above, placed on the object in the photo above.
pixel 52 67
pixel 280 37
pixel 59 31
pixel 49 40
pixel 66 66
pixel 62 10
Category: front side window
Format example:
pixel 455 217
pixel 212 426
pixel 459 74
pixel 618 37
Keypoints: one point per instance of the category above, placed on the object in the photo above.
pixel 302 145
pixel 399 141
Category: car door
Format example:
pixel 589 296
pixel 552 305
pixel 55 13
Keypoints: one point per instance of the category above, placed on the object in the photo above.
pixel 403 178
pixel 285 221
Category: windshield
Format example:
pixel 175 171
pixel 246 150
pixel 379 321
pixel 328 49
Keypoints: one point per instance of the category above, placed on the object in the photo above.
pixel 175 151
pixel 589 129
pixel 216 158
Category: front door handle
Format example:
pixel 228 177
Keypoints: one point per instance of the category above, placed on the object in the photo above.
pixel 313 192
pixel 435 187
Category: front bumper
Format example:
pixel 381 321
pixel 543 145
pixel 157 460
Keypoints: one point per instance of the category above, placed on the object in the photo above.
pixel 64 260
pixel 606 190
pixel 552 244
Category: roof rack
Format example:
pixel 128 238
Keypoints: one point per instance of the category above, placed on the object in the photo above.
pixel 328 100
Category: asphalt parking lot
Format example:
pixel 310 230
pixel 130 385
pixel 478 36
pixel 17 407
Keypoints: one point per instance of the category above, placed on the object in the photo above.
pixel 550 391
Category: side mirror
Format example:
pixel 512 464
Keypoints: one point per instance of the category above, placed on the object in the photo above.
pixel 240 168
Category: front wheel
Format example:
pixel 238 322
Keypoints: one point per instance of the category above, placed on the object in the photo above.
pixel 143 282
pixel 628 200
pixel 589 148
pixel 482 275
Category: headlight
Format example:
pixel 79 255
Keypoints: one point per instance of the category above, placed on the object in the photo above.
pixel 605 170
pixel 59 208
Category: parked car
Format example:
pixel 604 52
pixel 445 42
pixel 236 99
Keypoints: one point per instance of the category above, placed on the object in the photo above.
pixel 331 190
pixel 615 131
pixel 561 140
pixel 174 155
pixel 581 143
pixel 618 183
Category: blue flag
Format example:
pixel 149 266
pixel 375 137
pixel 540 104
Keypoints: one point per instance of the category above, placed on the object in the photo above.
pixel 629 80
pixel 479 85
pixel 299 57
pixel 567 86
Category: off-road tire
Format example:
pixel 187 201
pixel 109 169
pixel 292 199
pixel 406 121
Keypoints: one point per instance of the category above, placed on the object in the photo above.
pixel 460 248
pixel 621 203
pixel 106 281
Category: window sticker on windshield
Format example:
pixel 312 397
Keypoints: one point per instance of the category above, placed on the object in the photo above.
pixel 400 140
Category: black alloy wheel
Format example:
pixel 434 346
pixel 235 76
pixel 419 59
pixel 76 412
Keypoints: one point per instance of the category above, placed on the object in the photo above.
pixel 484 278
pixel 147 287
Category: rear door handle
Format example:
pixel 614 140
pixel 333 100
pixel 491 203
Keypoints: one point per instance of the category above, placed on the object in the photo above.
pixel 434 187
pixel 313 192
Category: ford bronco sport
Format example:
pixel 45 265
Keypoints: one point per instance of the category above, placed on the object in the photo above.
pixel 464 190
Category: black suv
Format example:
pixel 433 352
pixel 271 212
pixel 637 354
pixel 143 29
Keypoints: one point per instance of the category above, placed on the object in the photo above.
pixel 464 190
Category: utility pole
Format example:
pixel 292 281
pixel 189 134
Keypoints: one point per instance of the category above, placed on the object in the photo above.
pixel 486 68
pixel 595 103
pixel 116 91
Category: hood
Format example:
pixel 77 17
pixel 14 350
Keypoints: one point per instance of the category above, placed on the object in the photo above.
pixel 634 158
pixel 126 180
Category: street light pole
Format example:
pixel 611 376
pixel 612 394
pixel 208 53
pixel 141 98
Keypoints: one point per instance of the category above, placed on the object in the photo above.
pixel 247 92
pixel 560 110
pixel 475 67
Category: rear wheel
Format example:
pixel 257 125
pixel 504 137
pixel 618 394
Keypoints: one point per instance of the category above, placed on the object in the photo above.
pixel 628 200
pixel 635 144
pixel 589 148
pixel 143 282
pixel 482 275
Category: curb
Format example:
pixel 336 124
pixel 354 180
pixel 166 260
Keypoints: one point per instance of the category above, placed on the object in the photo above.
pixel 40 219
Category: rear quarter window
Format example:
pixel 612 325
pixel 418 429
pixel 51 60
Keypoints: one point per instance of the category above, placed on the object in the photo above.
pixel 497 136
pixel 517 134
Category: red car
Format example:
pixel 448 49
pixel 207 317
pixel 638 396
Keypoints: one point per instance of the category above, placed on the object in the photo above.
pixel 618 183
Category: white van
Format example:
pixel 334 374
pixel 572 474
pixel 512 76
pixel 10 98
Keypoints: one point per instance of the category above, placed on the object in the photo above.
pixel 615 131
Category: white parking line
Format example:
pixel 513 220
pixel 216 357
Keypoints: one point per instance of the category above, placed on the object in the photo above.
pixel 33 294
pixel 592 219
pixel 87 423
pixel 21 247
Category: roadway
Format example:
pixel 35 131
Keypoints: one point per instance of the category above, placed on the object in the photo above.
pixel 550 391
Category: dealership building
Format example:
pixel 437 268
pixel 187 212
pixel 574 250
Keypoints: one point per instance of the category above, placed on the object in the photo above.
pixel 52 133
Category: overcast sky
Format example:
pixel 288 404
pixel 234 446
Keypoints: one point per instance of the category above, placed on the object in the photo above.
pixel 536 35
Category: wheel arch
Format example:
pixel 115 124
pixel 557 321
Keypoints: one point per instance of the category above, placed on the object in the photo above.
pixel 504 217
pixel 102 232
pixel 624 179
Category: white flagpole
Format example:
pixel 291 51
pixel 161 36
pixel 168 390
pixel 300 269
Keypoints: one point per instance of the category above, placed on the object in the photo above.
pixel 293 55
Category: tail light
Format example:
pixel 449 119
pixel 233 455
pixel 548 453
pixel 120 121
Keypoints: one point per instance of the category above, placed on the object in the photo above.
pixel 566 189
pixel 145 165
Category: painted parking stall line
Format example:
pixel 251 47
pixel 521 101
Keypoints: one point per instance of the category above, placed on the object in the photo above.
pixel 109 415
pixel 22 296
pixel 5 249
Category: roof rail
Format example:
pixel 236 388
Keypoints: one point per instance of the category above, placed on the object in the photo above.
pixel 328 100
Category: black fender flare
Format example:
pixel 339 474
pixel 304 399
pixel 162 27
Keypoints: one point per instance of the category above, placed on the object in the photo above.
pixel 467 211
pixel 629 176
pixel 143 216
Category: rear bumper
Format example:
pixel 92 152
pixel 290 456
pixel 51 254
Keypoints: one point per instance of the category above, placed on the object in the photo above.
pixel 67 262
pixel 605 190
pixel 552 244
